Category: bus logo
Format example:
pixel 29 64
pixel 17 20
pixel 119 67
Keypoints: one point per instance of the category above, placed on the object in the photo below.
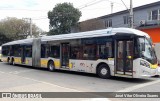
pixel 82 64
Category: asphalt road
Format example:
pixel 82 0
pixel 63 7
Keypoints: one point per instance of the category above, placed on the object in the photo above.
pixel 29 79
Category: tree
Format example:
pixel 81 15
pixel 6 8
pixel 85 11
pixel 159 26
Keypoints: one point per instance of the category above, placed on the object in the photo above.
pixel 62 18
pixel 15 29
pixel 3 38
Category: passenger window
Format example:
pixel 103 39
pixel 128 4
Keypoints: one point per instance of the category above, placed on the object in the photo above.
pixel 105 50
pixel 55 51
pixel 76 52
pixel 29 51
pixel 89 52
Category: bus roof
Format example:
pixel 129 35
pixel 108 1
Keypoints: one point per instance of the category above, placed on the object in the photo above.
pixel 97 33
pixel 23 41
pixel 88 34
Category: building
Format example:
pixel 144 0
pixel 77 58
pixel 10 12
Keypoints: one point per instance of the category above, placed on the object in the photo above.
pixel 146 18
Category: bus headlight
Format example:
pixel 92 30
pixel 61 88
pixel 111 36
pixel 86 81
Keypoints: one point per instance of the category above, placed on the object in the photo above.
pixel 143 63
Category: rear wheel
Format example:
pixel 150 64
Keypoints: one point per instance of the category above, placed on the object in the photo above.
pixel 12 62
pixel 8 60
pixel 51 66
pixel 104 71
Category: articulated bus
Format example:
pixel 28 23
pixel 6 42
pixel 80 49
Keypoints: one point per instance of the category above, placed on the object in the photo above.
pixel 122 52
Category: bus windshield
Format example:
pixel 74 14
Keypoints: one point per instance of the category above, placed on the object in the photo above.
pixel 148 52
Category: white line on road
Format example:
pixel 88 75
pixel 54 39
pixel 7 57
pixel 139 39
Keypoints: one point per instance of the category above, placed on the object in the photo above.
pixel 129 89
pixel 41 81
pixel 89 99
pixel 21 71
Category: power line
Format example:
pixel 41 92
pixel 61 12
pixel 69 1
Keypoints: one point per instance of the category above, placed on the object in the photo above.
pixel 113 2
pixel 125 5
pixel 87 3
pixel 91 4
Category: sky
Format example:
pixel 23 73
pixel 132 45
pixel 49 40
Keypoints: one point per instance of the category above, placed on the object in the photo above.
pixel 38 9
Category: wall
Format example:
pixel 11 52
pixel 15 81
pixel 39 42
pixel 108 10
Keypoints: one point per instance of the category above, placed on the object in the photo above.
pixel 117 20
pixel 154 33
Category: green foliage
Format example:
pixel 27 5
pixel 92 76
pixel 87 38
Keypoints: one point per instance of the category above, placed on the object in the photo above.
pixel 62 18
pixel 3 38
pixel 15 29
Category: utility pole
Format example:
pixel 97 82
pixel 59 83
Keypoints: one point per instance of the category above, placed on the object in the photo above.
pixel 31 27
pixel 131 14
pixel 111 7
pixel 29 20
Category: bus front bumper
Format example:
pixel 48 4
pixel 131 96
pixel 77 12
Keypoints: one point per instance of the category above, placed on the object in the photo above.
pixel 157 71
pixel 150 72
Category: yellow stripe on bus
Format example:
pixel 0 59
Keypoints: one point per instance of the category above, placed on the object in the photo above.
pixel 44 63
pixel 57 63
pixel 27 61
pixel 17 60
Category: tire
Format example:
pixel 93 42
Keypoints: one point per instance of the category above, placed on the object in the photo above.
pixel 103 71
pixel 51 66
pixel 156 76
pixel 8 60
pixel 12 62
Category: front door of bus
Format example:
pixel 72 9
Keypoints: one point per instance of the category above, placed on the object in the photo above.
pixel 124 57
pixel 65 50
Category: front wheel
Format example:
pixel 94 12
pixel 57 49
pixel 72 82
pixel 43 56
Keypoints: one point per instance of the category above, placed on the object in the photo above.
pixel 104 71
pixel 51 66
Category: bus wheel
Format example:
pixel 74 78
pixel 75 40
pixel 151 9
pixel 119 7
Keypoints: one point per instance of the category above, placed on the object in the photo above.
pixel 51 66
pixel 12 62
pixel 104 71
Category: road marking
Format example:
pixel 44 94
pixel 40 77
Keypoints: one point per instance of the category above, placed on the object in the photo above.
pixel 89 99
pixel 41 81
pixel 21 71
pixel 129 89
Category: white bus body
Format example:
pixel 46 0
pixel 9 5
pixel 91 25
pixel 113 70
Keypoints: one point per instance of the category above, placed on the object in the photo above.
pixel 120 52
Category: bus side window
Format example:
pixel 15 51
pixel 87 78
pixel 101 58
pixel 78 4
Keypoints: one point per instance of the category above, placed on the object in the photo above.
pixel 76 52
pixel 102 52
pixel 42 51
pixel 109 47
pixel 29 51
pixel 55 51
pixel 105 50
pixel 89 52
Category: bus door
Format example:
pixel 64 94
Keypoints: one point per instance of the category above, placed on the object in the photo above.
pixel 124 57
pixel 65 50
pixel 23 56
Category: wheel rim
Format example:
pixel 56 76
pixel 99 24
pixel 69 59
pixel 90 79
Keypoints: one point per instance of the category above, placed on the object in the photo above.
pixel 51 66
pixel 104 71
pixel 13 63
